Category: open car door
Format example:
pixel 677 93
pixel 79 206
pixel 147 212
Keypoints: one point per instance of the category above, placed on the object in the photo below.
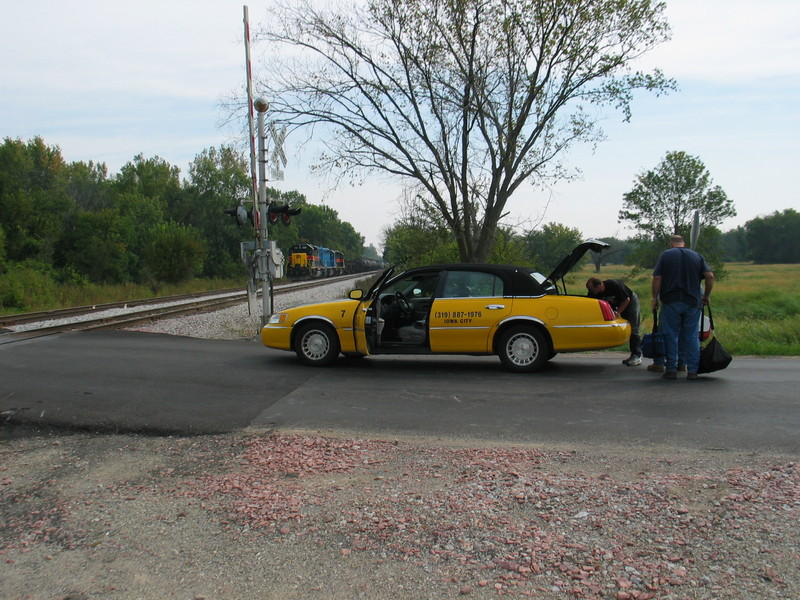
pixel 366 316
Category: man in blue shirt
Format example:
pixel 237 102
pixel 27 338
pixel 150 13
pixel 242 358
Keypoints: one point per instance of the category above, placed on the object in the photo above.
pixel 676 283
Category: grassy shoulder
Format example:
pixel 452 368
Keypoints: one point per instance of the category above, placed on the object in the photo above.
pixel 36 292
pixel 756 307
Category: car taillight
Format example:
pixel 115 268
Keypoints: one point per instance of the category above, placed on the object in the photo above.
pixel 608 312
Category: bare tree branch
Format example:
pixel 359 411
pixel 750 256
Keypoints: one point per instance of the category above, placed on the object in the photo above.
pixel 465 99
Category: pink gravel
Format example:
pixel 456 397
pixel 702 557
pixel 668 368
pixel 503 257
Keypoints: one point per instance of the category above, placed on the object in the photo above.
pixel 525 520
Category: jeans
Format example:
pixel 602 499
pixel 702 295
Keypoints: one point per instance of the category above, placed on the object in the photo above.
pixel 633 315
pixel 680 323
pixel 661 361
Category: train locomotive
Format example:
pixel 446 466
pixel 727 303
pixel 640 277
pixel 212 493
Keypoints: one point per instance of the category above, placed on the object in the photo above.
pixel 310 261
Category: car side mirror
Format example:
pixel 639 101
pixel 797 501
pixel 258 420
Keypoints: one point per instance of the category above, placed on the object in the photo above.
pixel 356 294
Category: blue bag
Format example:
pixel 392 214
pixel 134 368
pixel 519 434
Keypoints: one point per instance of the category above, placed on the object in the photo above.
pixel 653 345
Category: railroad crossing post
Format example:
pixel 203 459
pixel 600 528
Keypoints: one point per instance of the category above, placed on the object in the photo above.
pixel 269 259
pixel 261 106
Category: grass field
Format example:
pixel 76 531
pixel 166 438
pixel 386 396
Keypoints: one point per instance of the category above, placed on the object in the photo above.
pixel 756 308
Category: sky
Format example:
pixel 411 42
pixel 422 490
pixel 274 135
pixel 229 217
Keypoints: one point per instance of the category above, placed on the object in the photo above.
pixel 107 80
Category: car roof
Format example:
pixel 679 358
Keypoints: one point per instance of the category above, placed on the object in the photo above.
pixel 519 279
pixel 467 267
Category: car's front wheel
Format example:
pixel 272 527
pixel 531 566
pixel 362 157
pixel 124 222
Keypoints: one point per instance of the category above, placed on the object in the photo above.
pixel 523 349
pixel 316 344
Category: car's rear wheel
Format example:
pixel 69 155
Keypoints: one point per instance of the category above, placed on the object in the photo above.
pixel 316 344
pixel 522 349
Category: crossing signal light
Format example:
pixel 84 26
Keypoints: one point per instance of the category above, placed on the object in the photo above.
pixel 287 216
pixel 281 211
pixel 274 212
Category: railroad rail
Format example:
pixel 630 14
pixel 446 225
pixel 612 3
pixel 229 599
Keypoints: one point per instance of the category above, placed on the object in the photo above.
pixel 66 313
pixel 125 314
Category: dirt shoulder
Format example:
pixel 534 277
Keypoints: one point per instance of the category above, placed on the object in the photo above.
pixel 262 514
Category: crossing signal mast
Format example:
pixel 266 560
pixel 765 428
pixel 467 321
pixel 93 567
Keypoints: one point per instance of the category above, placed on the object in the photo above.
pixel 262 257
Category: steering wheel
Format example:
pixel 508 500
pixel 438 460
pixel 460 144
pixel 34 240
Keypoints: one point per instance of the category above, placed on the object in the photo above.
pixel 402 302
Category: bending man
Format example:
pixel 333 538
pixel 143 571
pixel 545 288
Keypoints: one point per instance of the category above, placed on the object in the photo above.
pixel 625 303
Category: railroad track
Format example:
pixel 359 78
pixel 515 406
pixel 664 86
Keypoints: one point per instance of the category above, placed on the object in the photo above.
pixel 125 314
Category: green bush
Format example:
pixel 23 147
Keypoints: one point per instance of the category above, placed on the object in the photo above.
pixel 173 252
pixel 27 284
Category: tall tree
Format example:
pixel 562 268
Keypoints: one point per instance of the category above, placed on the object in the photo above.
pixel 663 201
pixel 88 185
pixel 616 254
pixel 550 244
pixel 464 100
pixel 153 178
pixel 418 237
pixel 734 245
pixel 95 245
pixel 775 238
pixel 33 198
pixel 321 225
pixel 3 249
pixel 218 180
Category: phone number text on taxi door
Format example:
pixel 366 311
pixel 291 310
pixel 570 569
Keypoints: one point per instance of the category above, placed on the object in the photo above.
pixel 458 314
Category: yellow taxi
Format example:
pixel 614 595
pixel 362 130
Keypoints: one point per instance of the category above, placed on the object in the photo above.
pixel 480 309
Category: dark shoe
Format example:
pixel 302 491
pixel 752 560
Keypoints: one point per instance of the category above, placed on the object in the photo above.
pixel 656 368
pixel 681 367
pixel 633 360
pixel 670 375
pixel 691 376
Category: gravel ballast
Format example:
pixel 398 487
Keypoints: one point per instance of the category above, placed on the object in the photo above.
pixel 299 514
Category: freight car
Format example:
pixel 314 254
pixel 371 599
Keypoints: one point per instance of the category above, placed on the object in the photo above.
pixel 362 265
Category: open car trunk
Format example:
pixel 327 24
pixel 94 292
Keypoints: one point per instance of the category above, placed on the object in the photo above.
pixel 554 283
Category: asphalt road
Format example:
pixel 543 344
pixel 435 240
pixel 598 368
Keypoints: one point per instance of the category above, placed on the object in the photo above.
pixel 121 381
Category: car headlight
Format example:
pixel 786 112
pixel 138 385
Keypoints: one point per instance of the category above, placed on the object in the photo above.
pixel 277 318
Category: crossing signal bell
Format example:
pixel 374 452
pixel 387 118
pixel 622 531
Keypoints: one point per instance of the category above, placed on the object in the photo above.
pixel 241 214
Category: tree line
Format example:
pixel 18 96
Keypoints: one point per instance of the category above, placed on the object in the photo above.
pixel 663 201
pixel 74 223
pixel 772 239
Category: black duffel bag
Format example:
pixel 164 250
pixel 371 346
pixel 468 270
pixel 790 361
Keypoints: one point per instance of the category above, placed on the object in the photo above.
pixel 713 356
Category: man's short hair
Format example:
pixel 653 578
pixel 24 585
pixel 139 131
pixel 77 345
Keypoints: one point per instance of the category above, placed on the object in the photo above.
pixel 595 281
pixel 676 239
